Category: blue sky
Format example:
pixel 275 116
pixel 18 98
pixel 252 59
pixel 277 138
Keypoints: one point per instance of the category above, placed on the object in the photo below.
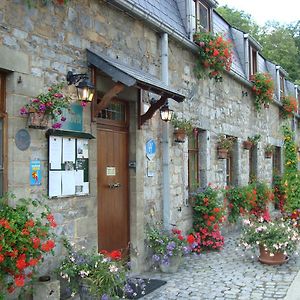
pixel 286 11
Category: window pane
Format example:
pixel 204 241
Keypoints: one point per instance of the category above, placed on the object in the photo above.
pixel 193 162
pixel 115 111
pixel 203 16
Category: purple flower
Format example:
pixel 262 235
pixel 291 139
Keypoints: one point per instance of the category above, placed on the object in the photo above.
pixel 23 111
pixel 56 125
pixel 155 257
pixel 42 107
pixel 128 289
pixel 83 103
pixel 171 246
pixel 63 119
pixel 186 250
pixel 104 297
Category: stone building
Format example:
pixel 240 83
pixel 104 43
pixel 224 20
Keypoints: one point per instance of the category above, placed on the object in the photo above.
pixel 138 54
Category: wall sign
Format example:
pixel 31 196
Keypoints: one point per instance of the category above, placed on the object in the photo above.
pixel 22 139
pixel 35 172
pixel 110 171
pixel 73 118
pixel 150 149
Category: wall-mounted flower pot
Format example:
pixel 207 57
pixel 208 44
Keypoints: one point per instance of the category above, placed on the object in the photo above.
pixel 222 153
pixel 38 120
pixel 268 154
pixel 179 135
pixel 247 145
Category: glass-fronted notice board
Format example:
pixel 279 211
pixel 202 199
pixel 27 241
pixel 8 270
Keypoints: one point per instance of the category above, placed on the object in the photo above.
pixel 68 163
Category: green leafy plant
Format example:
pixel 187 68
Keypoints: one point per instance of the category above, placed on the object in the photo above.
pixel 52 103
pixel 25 237
pixel 166 244
pixel 291 177
pixel 182 124
pixel 225 142
pixel 263 88
pixel 289 106
pixel 269 148
pixel 277 236
pixel 254 139
pixel 215 55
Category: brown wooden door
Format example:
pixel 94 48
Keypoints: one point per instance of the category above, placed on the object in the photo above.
pixel 113 204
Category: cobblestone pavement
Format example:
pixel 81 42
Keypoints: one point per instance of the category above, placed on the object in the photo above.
pixel 228 274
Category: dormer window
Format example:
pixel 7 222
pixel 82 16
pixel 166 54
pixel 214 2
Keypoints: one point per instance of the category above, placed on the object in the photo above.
pixel 281 85
pixel 203 19
pixel 252 61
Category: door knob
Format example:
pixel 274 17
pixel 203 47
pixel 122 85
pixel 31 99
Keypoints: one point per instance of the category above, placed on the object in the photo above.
pixel 114 185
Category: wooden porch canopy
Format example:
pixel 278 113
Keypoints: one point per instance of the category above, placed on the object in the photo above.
pixel 124 75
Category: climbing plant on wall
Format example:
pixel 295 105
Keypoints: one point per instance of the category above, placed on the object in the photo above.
pixel 291 178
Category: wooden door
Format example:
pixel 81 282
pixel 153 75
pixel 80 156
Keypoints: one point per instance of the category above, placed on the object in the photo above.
pixel 112 182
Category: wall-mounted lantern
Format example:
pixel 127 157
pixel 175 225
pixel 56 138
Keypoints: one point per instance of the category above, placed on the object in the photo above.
pixel 166 113
pixel 84 87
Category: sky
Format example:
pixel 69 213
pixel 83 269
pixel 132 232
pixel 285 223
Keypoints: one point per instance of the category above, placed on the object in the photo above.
pixel 286 11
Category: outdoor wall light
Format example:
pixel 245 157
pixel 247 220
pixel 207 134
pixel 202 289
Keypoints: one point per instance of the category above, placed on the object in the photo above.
pixel 166 113
pixel 84 87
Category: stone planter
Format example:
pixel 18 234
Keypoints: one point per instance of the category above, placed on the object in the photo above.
pixel 222 153
pixel 38 120
pixel 265 258
pixel 179 135
pixel 172 267
pixel 247 145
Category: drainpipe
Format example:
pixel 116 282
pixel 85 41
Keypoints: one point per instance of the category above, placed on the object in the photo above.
pixel 278 82
pixel 246 53
pixel 165 138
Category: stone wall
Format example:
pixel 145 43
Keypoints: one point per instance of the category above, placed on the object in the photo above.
pixel 39 45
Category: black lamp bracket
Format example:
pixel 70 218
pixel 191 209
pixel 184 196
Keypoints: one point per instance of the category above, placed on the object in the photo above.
pixel 75 78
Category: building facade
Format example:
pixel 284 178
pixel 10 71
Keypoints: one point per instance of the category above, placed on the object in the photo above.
pixel 138 54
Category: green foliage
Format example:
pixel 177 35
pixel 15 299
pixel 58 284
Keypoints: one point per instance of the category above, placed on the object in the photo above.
pixel 291 177
pixel 276 236
pixel 254 139
pixel 182 124
pixel 225 142
pixel 279 192
pixel 269 148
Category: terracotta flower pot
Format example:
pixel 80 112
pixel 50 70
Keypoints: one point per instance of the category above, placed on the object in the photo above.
pixel 179 135
pixel 222 153
pixel 268 154
pixel 277 259
pixel 247 145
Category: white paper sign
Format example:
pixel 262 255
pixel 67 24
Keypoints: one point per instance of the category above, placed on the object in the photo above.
pixel 68 183
pixel 55 150
pixel 54 183
pixel 68 149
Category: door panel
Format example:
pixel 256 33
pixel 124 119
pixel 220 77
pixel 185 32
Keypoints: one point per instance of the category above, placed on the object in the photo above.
pixel 113 207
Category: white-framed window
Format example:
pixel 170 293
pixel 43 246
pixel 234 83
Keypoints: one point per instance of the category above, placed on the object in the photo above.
pixel 203 19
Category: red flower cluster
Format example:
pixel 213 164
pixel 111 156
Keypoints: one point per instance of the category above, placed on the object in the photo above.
pixel 289 105
pixel 215 54
pixel 24 238
pixel 114 255
pixel 263 88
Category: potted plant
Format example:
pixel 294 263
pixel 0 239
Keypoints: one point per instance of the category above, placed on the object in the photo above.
pixel 182 127
pixel 263 89
pixel 289 106
pixel 224 144
pixel 95 275
pixel 45 106
pixel 168 247
pixel 25 237
pixel 269 150
pixel 276 240
pixel 215 55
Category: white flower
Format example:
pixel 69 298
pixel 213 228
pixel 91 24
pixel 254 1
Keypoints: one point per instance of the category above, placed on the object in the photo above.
pixel 72 259
pixel 73 294
pixel 271 254
pixel 113 269
pixel 247 222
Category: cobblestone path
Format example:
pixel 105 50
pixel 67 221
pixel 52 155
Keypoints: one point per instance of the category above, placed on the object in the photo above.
pixel 228 274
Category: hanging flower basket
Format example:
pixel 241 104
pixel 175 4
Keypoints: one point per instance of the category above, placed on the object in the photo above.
pixel 247 145
pixel 179 135
pixel 38 120
pixel 289 106
pixel 222 153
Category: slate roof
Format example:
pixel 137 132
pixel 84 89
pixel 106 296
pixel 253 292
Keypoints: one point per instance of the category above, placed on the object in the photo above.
pixel 164 11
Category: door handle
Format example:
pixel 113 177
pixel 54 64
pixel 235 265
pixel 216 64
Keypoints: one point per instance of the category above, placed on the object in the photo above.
pixel 114 185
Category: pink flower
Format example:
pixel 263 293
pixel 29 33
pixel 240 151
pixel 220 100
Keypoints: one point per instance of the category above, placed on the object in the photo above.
pixel 83 103
pixel 23 111
pixel 58 95
pixel 63 118
pixel 56 125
